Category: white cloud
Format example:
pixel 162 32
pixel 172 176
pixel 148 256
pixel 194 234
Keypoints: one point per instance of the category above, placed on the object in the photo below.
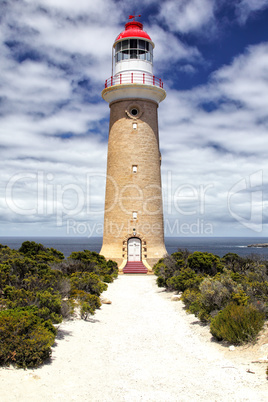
pixel 217 147
pixel 246 8
pixel 187 15
pixel 35 83
pixel 172 48
pixel 245 80
pixel 96 11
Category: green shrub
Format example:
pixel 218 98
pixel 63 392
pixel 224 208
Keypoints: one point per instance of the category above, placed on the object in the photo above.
pixel 68 267
pixel 7 253
pixel 240 298
pixel 233 261
pixel 165 268
pixel 181 256
pixel 86 310
pixel 37 287
pixel 39 252
pixel 107 278
pixel 257 290
pixel 205 263
pixel 13 298
pixel 112 268
pixel 31 248
pixel 49 306
pixel 220 290
pixel 25 339
pixel 183 279
pixel 88 303
pixel 88 282
pixel 214 294
pixel 192 299
pixel 90 261
pixel 237 324
pixel 161 283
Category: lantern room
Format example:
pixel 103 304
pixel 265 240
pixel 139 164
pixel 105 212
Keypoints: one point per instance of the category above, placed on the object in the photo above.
pixel 133 49
pixel 132 67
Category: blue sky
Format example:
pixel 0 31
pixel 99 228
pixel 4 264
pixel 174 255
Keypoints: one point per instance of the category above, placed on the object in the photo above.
pixel 213 58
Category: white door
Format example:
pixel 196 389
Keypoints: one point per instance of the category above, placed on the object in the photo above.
pixel 134 249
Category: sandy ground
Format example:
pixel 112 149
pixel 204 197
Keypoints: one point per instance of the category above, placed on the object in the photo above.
pixel 142 347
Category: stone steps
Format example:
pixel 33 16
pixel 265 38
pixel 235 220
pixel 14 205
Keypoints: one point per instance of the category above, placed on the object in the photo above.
pixel 135 267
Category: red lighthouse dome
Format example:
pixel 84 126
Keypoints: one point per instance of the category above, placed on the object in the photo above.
pixel 133 29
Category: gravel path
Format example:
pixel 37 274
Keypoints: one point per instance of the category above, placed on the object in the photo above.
pixel 142 347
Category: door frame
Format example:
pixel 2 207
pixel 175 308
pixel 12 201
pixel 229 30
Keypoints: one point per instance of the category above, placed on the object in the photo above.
pixel 139 240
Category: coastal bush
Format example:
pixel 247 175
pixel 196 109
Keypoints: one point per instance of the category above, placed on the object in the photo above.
pixel 39 252
pixel 112 269
pixel 68 267
pixel 13 297
pixel 210 284
pixel 7 253
pixel 38 287
pixel 192 301
pixel 26 339
pixel 206 263
pixel 233 262
pixel 214 294
pixel 6 277
pixel 257 290
pixel 29 274
pixel 237 324
pixel 87 261
pixel 90 261
pixel 88 303
pixel 255 285
pixel 88 282
pixel 48 304
pixel 217 291
pixel 183 279
pixel 240 298
pixel 166 268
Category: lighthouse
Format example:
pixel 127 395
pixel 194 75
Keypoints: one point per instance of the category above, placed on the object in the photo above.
pixel 133 234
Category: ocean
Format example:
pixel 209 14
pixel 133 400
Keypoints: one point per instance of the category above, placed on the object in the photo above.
pixel 216 245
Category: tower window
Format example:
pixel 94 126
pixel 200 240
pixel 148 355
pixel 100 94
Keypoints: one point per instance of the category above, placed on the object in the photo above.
pixel 134 215
pixel 133 43
pixel 134 168
pixel 134 111
pixel 135 125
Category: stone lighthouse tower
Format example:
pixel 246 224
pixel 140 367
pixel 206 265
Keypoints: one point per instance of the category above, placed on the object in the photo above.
pixel 133 220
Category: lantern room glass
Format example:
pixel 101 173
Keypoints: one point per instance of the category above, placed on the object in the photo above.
pixel 134 49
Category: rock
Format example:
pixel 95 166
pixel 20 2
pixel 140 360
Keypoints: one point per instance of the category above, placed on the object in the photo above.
pixel 264 348
pixel 263 359
pixel 259 245
pixel 104 300
pixel 231 348
pixel 175 298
